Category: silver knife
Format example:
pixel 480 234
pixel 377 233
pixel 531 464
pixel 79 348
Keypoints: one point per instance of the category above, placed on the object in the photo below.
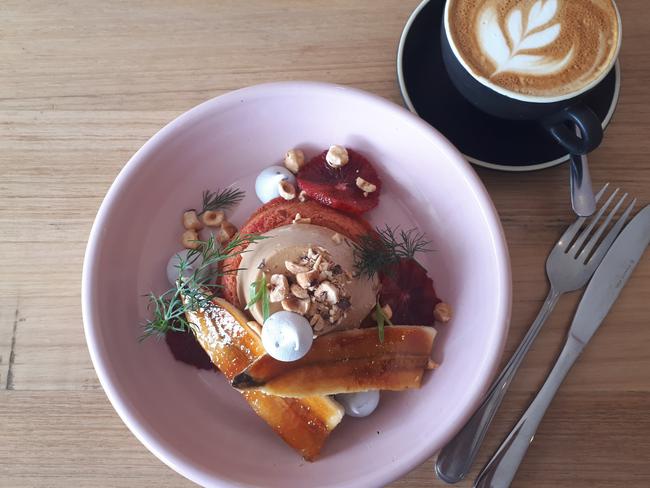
pixel 602 292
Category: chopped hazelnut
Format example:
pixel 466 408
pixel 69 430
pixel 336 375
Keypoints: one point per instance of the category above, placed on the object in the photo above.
pixel 213 218
pixel 308 279
pixel 314 308
pixel 295 268
pixel 279 288
pixel 442 312
pixel 335 314
pixel 431 364
pixel 294 160
pixel 317 323
pixel 286 190
pixel 297 305
pixel 337 156
pixel 226 231
pixel 299 292
pixel 191 221
pixel 190 239
pixel 299 220
pixel 317 263
pixel 302 196
pixel 328 292
pixel 365 186
pixel 387 311
pixel 337 238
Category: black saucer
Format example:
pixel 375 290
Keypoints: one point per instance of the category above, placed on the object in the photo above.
pixel 485 140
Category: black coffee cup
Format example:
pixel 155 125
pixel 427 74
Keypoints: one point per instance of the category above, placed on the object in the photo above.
pixel 559 115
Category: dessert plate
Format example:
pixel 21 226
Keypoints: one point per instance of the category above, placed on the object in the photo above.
pixel 484 140
pixel 193 420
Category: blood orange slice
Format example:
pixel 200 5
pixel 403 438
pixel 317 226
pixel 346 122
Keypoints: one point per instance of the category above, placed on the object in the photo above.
pixel 336 187
pixel 409 291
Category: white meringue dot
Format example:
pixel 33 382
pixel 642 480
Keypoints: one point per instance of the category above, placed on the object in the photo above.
pixel 173 265
pixel 266 183
pixel 360 404
pixel 287 336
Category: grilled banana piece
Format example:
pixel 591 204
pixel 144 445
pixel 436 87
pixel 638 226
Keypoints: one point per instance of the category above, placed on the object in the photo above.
pixel 345 362
pixel 304 423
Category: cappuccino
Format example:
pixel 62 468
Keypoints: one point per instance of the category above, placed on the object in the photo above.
pixel 539 48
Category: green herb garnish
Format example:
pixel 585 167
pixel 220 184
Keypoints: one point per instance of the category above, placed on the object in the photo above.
pixel 255 292
pixel 378 253
pixel 260 292
pixel 221 199
pixel 381 318
pixel 266 304
pixel 195 288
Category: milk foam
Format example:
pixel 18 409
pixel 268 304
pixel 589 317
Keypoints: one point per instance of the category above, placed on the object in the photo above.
pixel 538 47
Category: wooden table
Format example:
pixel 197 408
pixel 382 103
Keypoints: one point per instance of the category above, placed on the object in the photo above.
pixel 85 84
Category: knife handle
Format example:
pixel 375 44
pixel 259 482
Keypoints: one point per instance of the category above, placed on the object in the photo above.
pixel 502 468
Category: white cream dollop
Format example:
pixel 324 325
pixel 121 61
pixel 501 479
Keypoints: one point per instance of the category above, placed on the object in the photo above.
pixel 267 182
pixel 173 265
pixel 287 336
pixel 359 404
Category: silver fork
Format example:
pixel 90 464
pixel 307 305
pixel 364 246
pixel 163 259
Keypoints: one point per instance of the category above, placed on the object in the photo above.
pixel 569 266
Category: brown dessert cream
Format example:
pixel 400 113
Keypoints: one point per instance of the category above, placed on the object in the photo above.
pixel 333 299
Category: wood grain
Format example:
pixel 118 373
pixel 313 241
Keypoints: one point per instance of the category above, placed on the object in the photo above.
pixel 85 84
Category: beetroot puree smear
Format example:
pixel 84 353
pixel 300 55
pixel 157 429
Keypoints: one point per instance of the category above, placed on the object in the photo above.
pixel 186 349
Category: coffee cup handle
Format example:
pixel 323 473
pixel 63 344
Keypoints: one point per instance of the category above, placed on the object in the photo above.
pixel 562 127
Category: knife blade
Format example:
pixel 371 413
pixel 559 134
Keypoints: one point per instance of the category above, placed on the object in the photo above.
pixel 611 276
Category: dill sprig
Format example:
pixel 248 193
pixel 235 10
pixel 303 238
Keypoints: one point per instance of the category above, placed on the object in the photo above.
pixel 221 199
pixel 260 292
pixel 378 253
pixel 195 288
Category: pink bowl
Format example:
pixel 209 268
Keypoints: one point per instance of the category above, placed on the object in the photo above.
pixel 193 421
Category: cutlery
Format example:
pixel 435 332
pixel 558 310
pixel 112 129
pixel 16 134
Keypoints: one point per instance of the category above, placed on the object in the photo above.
pixel 569 266
pixel 582 194
pixel 601 293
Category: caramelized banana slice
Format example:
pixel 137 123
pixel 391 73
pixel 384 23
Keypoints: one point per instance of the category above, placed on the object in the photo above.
pixel 224 333
pixel 346 362
pixel 232 345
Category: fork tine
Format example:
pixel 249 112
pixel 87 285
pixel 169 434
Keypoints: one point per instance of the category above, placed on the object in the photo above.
pixel 604 246
pixel 573 229
pixel 571 232
pixel 573 250
pixel 584 254
pixel 601 192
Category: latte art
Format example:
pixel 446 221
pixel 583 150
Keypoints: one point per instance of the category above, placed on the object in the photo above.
pixel 536 47
pixel 524 35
